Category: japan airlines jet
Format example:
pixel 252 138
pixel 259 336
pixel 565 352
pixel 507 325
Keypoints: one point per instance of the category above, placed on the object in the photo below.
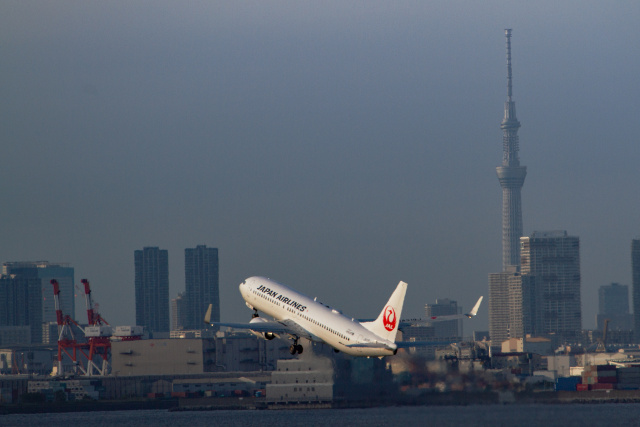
pixel 299 316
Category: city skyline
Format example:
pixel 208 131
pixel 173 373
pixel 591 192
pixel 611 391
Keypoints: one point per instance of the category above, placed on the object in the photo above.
pixel 336 148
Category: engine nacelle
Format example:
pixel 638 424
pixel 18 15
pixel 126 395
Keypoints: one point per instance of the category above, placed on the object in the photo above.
pixel 265 335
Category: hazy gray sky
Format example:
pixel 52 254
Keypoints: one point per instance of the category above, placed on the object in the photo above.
pixel 337 147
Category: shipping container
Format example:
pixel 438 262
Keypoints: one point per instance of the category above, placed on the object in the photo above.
pixel 567 383
pixel 602 387
pixel 128 331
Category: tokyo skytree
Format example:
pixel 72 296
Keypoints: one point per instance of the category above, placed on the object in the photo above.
pixel 511 176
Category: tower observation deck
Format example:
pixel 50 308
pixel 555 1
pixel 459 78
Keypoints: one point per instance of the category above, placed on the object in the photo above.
pixel 511 176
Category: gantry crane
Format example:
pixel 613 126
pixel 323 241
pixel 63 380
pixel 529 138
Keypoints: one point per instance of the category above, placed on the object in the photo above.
pixel 98 333
pixel 67 342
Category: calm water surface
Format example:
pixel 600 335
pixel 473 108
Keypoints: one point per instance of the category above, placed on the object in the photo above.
pixel 440 416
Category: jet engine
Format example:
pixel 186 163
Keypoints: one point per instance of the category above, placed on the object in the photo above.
pixel 265 335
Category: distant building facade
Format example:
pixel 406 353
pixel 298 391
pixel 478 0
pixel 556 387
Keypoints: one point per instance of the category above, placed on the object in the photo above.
pixel 201 286
pixel 613 304
pixel 152 288
pixel 21 304
pixel 499 307
pixel 224 353
pixel 419 332
pixel 45 271
pixel 178 308
pixel 447 328
pixel 635 272
pixel 553 259
pixel 512 307
pixel 15 335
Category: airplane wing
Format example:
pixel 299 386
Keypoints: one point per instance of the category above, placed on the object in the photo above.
pixel 409 344
pixel 285 327
pixel 275 327
pixel 262 325
pixel 374 344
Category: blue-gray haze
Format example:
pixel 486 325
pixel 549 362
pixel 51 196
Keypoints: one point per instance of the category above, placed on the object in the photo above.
pixel 338 147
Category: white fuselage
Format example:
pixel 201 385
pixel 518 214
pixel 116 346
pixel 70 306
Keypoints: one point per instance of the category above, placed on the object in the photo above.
pixel 320 321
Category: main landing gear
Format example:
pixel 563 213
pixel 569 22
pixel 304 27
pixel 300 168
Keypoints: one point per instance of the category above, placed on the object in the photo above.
pixel 255 314
pixel 295 347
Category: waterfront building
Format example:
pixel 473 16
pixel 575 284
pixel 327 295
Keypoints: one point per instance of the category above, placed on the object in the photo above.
pixel 45 271
pixel 201 286
pixel 15 335
pixel 226 352
pixel 552 258
pixel 613 304
pixel 419 332
pixel 512 307
pixel 21 304
pixel 320 379
pixel 152 289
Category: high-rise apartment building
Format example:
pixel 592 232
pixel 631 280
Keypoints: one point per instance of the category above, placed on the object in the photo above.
pixel 613 304
pixel 553 260
pixel 45 271
pixel 21 303
pixel 635 273
pixel 499 307
pixel 512 306
pixel 152 288
pixel 201 285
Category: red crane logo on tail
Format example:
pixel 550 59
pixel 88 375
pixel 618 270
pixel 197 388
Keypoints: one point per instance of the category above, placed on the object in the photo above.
pixel 389 319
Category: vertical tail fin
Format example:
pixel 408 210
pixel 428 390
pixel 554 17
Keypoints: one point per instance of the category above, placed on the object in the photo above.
pixel 386 325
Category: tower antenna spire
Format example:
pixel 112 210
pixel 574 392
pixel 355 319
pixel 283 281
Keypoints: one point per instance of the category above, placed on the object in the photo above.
pixel 509 76
pixel 511 175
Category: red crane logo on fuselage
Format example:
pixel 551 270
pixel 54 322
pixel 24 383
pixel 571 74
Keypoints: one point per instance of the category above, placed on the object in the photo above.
pixel 389 318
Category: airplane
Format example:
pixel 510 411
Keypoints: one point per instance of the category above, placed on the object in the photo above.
pixel 299 316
